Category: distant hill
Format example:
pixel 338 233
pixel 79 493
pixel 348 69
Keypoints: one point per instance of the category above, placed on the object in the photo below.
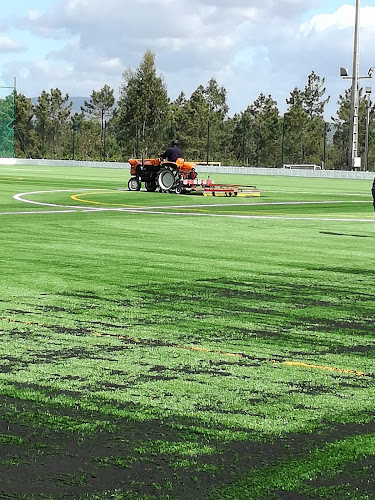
pixel 77 103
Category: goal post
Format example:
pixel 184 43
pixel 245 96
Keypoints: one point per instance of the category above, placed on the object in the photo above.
pixel 7 112
pixel 302 166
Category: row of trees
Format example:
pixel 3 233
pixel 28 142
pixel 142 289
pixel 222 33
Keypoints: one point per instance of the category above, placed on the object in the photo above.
pixel 6 126
pixel 143 121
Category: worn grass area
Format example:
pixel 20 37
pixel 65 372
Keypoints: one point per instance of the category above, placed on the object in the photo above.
pixel 188 353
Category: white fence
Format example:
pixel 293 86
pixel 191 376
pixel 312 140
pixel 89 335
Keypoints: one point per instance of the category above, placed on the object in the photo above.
pixel 328 174
pixel 63 163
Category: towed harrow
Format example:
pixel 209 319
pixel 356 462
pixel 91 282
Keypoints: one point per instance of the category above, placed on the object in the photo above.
pixel 179 177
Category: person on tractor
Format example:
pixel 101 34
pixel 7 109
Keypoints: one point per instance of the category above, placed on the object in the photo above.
pixel 172 153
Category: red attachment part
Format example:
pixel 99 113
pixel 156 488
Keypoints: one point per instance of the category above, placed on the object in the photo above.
pixel 197 182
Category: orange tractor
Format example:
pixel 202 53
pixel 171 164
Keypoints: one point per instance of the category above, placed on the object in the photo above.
pixel 164 175
pixel 179 177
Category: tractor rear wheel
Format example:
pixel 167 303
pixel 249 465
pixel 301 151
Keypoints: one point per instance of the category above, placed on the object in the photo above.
pixel 134 184
pixel 167 179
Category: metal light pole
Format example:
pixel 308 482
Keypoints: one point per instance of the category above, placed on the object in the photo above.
pixel 283 142
pixel 368 109
pixel 137 140
pixel 73 140
pixel 208 140
pixel 74 130
pixel 104 141
pixel 243 141
pixel 354 161
pixel 324 146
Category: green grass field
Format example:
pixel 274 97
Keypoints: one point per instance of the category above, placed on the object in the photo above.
pixel 156 346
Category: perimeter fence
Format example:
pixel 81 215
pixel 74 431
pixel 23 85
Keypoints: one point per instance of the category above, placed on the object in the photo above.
pixel 7 106
pixel 209 169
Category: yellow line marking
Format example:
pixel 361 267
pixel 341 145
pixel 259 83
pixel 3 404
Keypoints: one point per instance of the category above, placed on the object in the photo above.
pixel 76 197
pixel 206 208
pixel 322 367
pixel 203 209
pixel 208 350
pixel 237 355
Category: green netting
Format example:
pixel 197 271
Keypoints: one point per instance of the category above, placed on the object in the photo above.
pixel 7 125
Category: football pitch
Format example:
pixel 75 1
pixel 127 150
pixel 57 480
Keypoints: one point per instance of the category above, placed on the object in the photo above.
pixel 161 346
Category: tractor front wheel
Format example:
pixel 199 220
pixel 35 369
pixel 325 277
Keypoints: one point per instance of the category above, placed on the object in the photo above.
pixel 134 184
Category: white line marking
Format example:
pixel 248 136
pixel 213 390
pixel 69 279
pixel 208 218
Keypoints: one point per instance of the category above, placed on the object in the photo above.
pixel 36 212
pixel 158 210
pixel 29 170
pixel 260 204
pixel 146 211
pixel 19 197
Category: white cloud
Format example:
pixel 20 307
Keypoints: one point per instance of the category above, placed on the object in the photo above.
pixel 247 45
pixel 34 15
pixel 8 45
pixel 341 19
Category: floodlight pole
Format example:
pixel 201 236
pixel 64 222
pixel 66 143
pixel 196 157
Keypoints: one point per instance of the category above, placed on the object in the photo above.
pixel 353 152
pixel 368 109
pixel 354 159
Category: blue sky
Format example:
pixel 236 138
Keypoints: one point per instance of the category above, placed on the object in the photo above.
pixel 247 45
pixel 328 6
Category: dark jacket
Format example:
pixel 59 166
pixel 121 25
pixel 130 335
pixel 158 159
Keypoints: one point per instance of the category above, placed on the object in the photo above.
pixel 172 153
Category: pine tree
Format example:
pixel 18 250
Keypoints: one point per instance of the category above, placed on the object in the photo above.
pixel 199 122
pixel 303 127
pixel 193 126
pixel 52 113
pixel 265 131
pixel 313 102
pixel 143 109
pixel 60 111
pixel 101 107
pixel 25 136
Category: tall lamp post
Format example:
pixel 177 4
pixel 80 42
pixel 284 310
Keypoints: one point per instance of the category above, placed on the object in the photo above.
pixel 354 159
pixel 282 142
pixel 354 162
pixel 74 130
pixel 368 109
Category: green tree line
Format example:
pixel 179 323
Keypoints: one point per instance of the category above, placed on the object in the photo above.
pixel 144 120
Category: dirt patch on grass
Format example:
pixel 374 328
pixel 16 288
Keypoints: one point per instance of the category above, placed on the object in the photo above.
pixel 358 476
pixel 152 457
